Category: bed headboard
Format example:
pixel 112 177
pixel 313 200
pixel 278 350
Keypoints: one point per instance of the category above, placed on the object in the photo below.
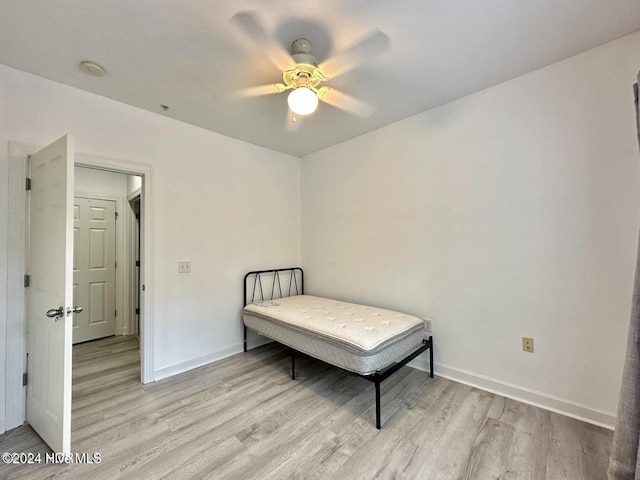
pixel 283 282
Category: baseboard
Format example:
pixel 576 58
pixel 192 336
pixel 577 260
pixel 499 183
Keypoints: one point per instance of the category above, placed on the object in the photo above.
pixel 3 425
pixel 197 362
pixel 543 400
pixel 529 396
pixel 254 342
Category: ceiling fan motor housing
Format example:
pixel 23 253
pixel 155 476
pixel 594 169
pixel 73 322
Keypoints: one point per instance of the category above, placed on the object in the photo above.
pixel 305 58
pixel 301 52
pixel 306 72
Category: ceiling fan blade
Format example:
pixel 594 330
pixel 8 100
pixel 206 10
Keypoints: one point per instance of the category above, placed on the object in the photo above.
pixel 252 27
pixel 293 121
pixel 372 43
pixel 260 90
pixel 345 102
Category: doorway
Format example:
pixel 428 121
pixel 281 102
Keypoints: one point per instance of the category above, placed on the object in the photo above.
pixel 140 178
pixel 106 254
pixel 18 219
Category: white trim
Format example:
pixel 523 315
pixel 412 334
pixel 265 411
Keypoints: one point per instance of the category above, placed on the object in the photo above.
pixel 199 362
pixel 130 265
pixel 563 406
pixel 134 194
pixel 131 269
pixel 16 353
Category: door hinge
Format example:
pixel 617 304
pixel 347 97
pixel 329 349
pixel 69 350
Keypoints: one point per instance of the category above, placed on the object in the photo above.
pixel 27 280
pixel 137 311
pixel 137 263
pixel 116 215
pixel 25 378
pixel 27 184
pixel 116 264
pixel 115 313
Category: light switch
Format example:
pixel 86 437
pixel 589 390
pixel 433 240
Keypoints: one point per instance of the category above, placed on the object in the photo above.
pixel 184 266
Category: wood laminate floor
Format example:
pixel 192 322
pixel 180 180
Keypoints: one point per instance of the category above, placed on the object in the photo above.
pixel 244 418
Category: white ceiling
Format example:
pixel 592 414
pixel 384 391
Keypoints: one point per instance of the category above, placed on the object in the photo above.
pixel 189 55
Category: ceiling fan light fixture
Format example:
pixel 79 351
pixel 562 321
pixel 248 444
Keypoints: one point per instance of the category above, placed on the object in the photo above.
pixel 302 101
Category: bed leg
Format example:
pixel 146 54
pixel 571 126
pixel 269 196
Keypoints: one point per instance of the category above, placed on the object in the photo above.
pixel 293 364
pixel 431 357
pixel 377 382
pixel 245 338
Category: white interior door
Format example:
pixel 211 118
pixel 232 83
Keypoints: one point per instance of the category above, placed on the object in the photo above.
pixel 94 268
pixel 50 269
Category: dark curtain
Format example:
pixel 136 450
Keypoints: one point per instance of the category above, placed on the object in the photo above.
pixel 624 462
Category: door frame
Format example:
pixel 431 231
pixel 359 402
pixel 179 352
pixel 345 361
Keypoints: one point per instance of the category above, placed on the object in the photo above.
pixel 132 245
pixel 17 219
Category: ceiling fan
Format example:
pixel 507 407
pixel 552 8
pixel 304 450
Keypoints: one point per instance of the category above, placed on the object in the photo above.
pixel 303 75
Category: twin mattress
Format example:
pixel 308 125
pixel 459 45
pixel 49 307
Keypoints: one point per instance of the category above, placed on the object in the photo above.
pixel 357 338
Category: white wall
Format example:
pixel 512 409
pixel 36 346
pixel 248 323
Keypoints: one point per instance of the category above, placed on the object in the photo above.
pixel 226 205
pixel 91 180
pixel 134 183
pixel 511 212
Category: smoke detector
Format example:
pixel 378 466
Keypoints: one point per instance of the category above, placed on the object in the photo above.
pixel 92 68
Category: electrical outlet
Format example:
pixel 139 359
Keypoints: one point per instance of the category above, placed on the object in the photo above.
pixel 527 344
pixel 428 325
pixel 184 266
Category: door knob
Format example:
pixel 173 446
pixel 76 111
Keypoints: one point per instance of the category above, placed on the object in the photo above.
pixel 55 313
pixel 76 309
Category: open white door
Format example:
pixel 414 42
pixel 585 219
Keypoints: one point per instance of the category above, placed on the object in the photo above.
pixel 94 268
pixel 50 294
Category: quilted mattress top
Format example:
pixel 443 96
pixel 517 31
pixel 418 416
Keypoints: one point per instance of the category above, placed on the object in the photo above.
pixel 366 328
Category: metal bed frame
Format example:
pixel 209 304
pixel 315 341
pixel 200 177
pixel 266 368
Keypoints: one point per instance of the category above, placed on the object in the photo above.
pixel 297 287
